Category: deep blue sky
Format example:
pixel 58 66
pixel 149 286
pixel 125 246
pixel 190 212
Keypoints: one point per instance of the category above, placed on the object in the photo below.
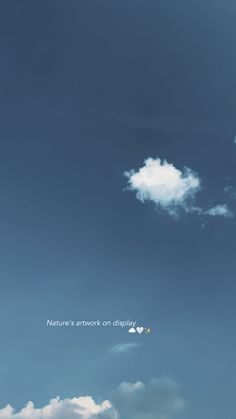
pixel 89 89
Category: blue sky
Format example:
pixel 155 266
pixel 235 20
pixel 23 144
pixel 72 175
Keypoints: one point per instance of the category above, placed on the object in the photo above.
pixel 88 92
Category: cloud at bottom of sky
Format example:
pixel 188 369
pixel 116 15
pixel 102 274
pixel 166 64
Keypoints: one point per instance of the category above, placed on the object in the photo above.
pixel 170 189
pixel 75 408
pixel 158 399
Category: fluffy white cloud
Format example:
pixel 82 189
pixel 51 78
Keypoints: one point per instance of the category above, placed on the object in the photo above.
pixel 158 399
pixel 169 188
pixel 221 210
pixel 76 408
pixel 163 184
pixel 123 348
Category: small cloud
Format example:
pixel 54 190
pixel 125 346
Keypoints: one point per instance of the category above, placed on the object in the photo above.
pixel 170 189
pixel 220 210
pixel 123 348
pixel 235 139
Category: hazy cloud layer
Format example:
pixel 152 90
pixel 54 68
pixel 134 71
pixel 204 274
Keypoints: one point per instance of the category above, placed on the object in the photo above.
pixel 158 399
pixel 169 188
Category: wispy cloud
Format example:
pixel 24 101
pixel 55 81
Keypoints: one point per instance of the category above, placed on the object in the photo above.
pixel 220 210
pixel 171 189
pixel 230 190
pixel 123 348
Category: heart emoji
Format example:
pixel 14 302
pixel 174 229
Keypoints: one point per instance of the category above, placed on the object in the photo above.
pixel 140 330
pixel 132 330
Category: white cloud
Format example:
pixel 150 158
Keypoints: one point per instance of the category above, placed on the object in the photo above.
pixel 122 348
pixel 169 188
pixel 158 399
pixel 163 184
pixel 220 210
pixel 76 408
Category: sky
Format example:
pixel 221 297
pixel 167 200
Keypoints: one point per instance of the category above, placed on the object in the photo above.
pixel 118 202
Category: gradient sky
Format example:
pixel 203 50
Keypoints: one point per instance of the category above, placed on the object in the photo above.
pixel 88 90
